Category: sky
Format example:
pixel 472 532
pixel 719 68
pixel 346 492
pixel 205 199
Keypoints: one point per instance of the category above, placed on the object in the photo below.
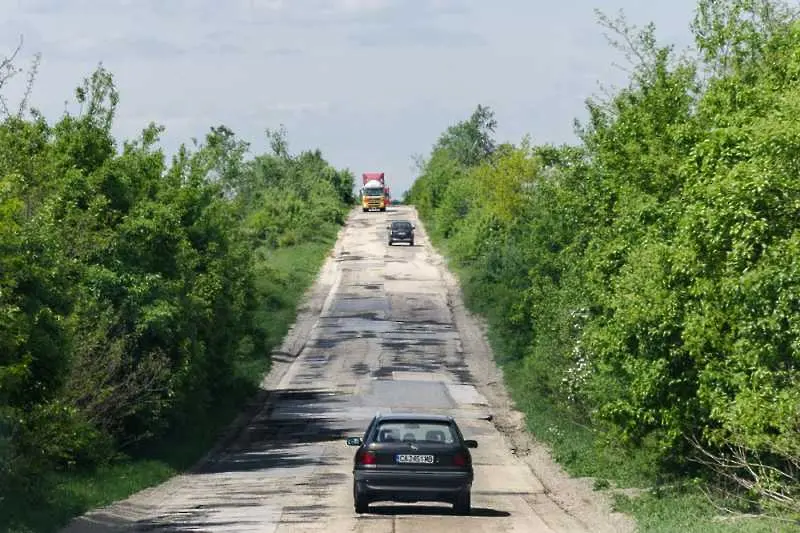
pixel 371 83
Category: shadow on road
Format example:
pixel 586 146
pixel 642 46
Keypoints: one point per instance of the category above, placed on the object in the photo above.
pixel 279 439
pixel 282 436
pixel 432 510
pixel 201 520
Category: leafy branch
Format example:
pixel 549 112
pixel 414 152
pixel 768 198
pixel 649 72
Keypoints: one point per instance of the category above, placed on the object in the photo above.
pixel 9 70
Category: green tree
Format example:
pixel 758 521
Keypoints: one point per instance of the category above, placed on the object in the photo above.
pixel 643 282
pixel 471 141
pixel 132 287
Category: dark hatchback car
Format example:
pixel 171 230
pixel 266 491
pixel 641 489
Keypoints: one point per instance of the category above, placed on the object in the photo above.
pixel 401 231
pixel 411 458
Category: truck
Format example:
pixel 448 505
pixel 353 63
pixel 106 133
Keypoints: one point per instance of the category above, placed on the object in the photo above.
pixel 374 192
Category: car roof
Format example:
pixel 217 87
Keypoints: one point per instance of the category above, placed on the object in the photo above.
pixel 422 417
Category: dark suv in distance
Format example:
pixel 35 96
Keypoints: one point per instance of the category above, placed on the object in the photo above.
pixel 401 231
pixel 411 458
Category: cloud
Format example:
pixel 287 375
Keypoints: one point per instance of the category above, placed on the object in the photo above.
pixel 295 108
pixel 240 42
pixel 124 47
pixel 31 6
pixel 424 36
pixel 338 13
pixel 368 81
pixel 360 6
pixel 397 23
pixel 421 8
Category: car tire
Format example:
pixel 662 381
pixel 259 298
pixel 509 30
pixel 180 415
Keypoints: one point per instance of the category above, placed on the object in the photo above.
pixel 361 506
pixel 463 504
pixel 391 243
pixel 364 209
pixel 412 242
pixel 360 502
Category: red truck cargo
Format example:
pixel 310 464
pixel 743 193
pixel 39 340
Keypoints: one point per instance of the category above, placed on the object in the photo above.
pixel 369 176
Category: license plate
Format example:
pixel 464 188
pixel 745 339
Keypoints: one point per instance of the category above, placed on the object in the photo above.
pixel 415 459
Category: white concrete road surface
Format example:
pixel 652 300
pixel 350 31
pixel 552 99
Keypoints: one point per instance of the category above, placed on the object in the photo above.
pixel 380 332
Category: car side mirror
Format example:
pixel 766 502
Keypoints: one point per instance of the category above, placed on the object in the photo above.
pixel 413 227
pixel 354 441
pixel 471 443
pixel 388 227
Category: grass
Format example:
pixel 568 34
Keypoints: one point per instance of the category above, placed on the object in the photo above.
pixel 689 511
pixel 284 274
pixel 576 446
pixel 581 451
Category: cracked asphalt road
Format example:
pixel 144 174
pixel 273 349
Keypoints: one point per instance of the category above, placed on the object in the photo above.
pixel 378 333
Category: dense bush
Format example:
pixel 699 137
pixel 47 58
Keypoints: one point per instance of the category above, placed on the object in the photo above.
pixel 646 280
pixel 130 285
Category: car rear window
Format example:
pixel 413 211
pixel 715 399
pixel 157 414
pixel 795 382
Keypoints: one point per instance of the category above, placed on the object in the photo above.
pixel 411 431
pixel 401 225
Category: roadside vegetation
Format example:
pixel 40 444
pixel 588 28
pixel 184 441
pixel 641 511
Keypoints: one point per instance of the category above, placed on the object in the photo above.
pixel 139 296
pixel 643 286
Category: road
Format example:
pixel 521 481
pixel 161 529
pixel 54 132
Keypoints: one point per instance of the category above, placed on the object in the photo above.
pixel 379 332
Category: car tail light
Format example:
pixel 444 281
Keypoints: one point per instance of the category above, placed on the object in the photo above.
pixel 366 458
pixel 459 459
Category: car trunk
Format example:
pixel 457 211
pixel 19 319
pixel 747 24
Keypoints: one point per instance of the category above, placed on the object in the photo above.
pixel 418 456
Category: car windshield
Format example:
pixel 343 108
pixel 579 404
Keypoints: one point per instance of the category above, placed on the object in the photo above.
pixel 402 226
pixel 373 191
pixel 410 431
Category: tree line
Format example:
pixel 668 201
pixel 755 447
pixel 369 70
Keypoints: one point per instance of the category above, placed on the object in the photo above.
pixel 131 285
pixel 645 281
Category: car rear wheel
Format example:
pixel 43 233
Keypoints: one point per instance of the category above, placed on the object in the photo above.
pixel 412 242
pixel 361 506
pixel 463 504
pixel 360 503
